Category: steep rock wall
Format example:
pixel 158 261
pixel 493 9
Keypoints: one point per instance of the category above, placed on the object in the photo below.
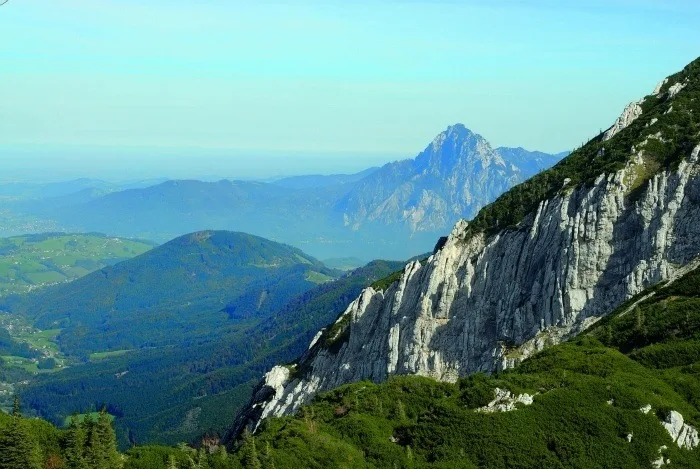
pixel 482 304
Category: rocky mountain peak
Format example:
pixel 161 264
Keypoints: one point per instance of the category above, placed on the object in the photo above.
pixel 453 177
pixel 456 147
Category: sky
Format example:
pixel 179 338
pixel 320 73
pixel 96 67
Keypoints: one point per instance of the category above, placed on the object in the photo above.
pixel 118 88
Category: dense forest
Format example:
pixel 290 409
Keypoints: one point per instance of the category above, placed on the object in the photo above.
pixel 171 394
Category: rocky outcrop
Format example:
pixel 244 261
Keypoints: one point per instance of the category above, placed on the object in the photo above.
pixel 485 303
pixel 505 401
pixel 629 115
pixel 681 433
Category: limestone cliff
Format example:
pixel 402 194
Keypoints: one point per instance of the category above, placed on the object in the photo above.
pixel 488 299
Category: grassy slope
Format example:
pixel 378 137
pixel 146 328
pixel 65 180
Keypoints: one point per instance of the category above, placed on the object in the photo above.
pixel 34 261
pixel 650 355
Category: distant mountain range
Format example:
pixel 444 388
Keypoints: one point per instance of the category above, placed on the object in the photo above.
pixel 456 175
pixel 392 212
pixel 319 180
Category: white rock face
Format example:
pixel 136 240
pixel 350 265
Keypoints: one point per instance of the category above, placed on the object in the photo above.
pixel 505 401
pixel 629 115
pixel 661 84
pixel 675 89
pixel 683 434
pixel 484 304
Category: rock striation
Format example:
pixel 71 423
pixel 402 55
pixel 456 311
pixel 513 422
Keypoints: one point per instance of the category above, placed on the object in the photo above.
pixel 484 302
pixel 681 433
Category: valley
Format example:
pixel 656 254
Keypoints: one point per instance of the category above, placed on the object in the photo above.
pixel 202 302
pixel 256 236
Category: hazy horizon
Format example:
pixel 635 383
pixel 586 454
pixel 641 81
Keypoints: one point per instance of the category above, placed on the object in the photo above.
pixel 42 164
pixel 124 90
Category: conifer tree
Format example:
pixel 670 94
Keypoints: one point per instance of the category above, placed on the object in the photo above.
pixel 74 445
pixel 93 448
pixel 267 461
pixel 18 450
pixel 249 454
pixel 111 459
pixel 220 459
pixel 202 460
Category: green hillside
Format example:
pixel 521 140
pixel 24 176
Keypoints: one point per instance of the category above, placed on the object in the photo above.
pixel 183 289
pixel 192 372
pixel 586 411
pixel 30 262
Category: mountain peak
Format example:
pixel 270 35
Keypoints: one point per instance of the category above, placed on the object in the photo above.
pixel 457 147
pixel 458 132
pixel 458 128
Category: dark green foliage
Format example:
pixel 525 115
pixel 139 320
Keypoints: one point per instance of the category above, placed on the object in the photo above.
pixel 46 364
pixel 17 449
pixel 20 442
pixel 249 453
pixel 173 394
pixel 9 346
pixel 90 444
pixel 74 443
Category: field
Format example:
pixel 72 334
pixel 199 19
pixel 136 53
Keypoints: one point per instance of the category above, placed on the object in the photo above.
pixel 97 356
pixel 35 261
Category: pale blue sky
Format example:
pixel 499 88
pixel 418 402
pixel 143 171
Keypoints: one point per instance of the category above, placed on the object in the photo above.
pixel 321 77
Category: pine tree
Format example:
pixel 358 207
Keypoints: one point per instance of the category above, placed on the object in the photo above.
pixel 92 449
pixel 74 444
pixel 18 450
pixel 639 321
pixel 267 461
pixel 219 459
pixel 607 336
pixel 400 411
pixel 249 455
pixel 111 459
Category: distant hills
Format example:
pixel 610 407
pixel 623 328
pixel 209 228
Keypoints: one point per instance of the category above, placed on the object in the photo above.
pixel 173 340
pixel 393 212
pixel 318 180
pixel 179 291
